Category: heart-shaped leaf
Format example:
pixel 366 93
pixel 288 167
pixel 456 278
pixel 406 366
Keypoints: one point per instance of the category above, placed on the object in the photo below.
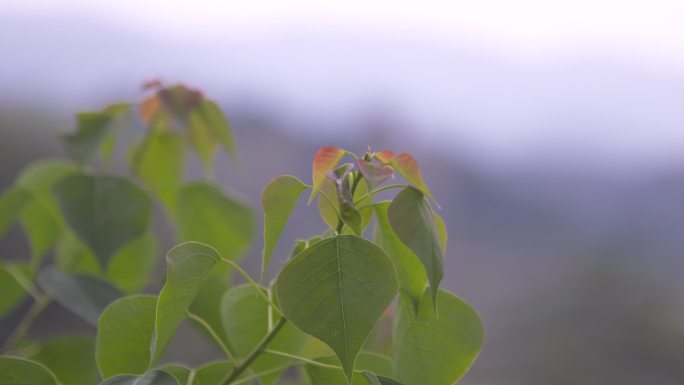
pixel 278 199
pixel 70 358
pixel 19 371
pixel 187 268
pixel 432 349
pixel 325 159
pixel 153 377
pixel 207 215
pixel 105 212
pixel 410 271
pixel 336 290
pixel 124 334
pixel 412 221
pixel 84 295
pixel 246 322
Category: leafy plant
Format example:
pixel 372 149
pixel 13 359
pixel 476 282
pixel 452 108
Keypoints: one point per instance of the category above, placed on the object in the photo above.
pixel 323 320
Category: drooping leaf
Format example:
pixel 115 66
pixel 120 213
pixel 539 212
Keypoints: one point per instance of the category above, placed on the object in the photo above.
pixel 91 131
pixel 129 269
pixel 412 221
pixel 153 377
pixel 246 322
pixel 206 215
pixel 187 268
pixel 325 159
pixel 159 161
pixel 212 373
pixel 375 174
pixel 70 358
pixel 278 199
pixel 210 116
pixel 330 376
pixel 181 372
pixel 336 290
pixel 432 349
pixel 105 212
pixel 124 335
pixel 19 371
pixel 410 271
pixel 12 291
pixel 84 295
pixel 407 166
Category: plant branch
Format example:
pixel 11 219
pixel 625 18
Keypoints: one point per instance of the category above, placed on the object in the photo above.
pixel 213 334
pixel 26 322
pixel 255 352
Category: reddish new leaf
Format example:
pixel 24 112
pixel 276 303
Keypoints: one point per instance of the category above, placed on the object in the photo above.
pixel 384 156
pixel 325 160
pixel 407 166
pixel 375 174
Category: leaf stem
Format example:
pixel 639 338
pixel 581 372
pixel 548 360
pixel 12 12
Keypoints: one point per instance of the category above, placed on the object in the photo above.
pixel 212 332
pixel 249 279
pixel 26 322
pixel 255 352
pixel 379 189
pixel 300 358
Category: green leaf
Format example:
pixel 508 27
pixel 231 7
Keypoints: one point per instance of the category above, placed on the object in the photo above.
pixel 129 269
pixel 278 199
pixel 188 266
pixel 71 359
pixel 180 372
pixel 12 202
pixel 212 373
pixel 206 215
pixel 207 303
pixel 245 317
pixel 84 295
pixel 410 271
pixel 330 376
pixel 374 379
pixel 12 291
pixel 336 290
pixel 19 371
pixel 91 131
pixel 407 166
pixel 412 221
pixel 209 115
pixel 105 212
pixel 159 162
pixel 441 231
pixel 329 211
pixel 436 350
pixel 124 334
pixel 153 377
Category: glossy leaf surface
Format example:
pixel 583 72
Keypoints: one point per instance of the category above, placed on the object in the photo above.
pixel 435 349
pixel 336 290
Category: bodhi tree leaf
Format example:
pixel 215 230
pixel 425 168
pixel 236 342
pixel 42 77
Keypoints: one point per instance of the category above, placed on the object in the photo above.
pixel 212 121
pixel 71 359
pixel 410 271
pixel 212 373
pixel 19 371
pixel 84 295
pixel 206 215
pixel 329 211
pixel 124 335
pixel 412 221
pixel 105 212
pixel 375 174
pixel 91 131
pixel 159 161
pixel 336 290
pixel 12 202
pixel 407 166
pixel 245 317
pixel 331 376
pixel 181 372
pixel 187 268
pixel 325 159
pixel 207 303
pixel 153 377
pixel 278 199
pixel 12 291
pixel 436 350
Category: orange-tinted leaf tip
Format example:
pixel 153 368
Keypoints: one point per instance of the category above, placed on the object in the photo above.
pixel 384 156
pixel 149 108
pixel 325 159
pixel 407 166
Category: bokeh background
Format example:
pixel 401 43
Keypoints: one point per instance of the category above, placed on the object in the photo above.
pixel 551 133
